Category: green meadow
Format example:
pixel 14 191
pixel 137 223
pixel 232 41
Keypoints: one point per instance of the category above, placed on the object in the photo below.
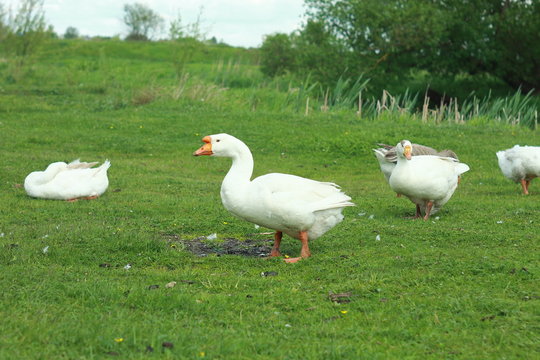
pixel 463 285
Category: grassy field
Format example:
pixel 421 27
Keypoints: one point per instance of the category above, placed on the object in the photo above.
pixel 463 285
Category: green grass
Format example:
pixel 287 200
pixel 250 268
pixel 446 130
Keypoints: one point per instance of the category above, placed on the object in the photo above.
pixel 462 286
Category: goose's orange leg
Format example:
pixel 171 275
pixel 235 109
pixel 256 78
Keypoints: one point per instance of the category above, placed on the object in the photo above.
pixel 525 186
pixel 428 209
pixel 277 241
pixel 304 253
pixel 84 197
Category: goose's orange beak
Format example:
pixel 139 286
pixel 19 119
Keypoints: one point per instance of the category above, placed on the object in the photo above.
pixel 407 152
pixel 206 149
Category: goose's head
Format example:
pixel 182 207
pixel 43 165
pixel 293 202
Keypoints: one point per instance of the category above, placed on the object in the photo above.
pixel 56 167
pixel 223 145
pixel 404 149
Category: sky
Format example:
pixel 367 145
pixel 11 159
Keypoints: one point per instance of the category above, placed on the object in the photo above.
pixel 236 22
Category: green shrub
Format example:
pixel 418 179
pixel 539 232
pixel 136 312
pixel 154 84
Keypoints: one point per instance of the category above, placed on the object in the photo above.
pixel 277 55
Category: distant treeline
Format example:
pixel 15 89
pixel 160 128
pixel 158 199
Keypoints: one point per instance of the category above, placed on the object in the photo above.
pixel 454 47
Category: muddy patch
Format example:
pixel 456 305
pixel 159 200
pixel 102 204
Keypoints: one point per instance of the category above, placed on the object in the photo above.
pixel 202 246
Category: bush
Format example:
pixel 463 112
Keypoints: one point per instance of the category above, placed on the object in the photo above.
pixel 277 55
pixel 71 33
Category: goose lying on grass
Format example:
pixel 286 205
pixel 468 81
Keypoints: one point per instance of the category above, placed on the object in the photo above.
pixel 61 181
pixel 387 157
pixel 520 164
pixel 428 181
pixel 301 208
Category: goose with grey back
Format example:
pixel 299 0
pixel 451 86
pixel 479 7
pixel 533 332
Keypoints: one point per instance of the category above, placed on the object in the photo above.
pixel 302 208
pixel 428 181
pixel 387 156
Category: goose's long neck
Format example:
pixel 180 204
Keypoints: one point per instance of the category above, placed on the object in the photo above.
pixel 402 163
pixel 240 172
pixel 401 159
pixel 36 181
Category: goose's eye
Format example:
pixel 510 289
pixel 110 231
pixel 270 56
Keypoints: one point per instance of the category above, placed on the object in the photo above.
pixel 218 140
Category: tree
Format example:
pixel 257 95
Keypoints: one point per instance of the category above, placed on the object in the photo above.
pixel 141 21
pixel 194 30
pixel 3 23
pixel 50 33
pixel 25 31
pixel 517 34
pixel 443 37
pixel 71 33
pixel 323 54
pixel 277 55
pixel 176 29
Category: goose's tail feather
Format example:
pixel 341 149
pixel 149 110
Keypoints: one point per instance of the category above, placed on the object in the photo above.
pixel 77 164
pixel 104 167
pixel 337 201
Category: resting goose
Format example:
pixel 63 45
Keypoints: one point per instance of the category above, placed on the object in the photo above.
pixel 387 157
pixel 61 181
pixel 520 164
pixel 301 208
pixel 428 181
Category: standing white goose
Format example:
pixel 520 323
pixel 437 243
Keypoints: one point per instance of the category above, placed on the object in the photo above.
pixel 520 164
pixel 428 181
pixel 301 208
pixel 61 181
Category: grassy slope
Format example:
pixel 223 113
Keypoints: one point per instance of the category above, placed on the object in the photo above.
pixel 462 286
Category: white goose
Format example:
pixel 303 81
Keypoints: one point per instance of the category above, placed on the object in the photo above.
pixel 61 181
pixel 520 164
pixel 301 208
pixel 428 181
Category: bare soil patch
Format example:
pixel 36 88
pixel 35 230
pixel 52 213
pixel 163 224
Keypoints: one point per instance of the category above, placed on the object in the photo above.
pixel 202 246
